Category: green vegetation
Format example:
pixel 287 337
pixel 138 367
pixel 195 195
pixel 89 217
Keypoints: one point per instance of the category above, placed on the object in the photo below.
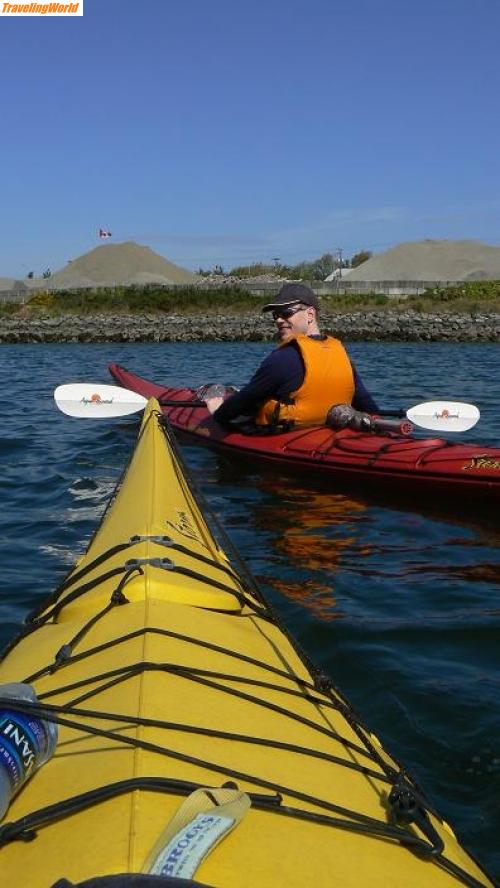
pixel 484 291
pixel 316 270
pixel 255 270
pixel 361 257
pixel 359 302
pixel 469 297
pixel 175 300
pixel 9 308
pixel 178 300
pixel 135 300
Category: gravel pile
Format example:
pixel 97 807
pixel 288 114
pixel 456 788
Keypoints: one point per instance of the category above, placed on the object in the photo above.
pixel 6 283
pixel 432 260
pixel 110 265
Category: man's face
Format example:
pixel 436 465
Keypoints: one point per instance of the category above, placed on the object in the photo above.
pixel 292 319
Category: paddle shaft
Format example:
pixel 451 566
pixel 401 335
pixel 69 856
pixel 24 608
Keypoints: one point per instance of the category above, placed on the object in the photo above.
pixel 397 413
pixel 100 401
pixel 171 402
pixel 376 425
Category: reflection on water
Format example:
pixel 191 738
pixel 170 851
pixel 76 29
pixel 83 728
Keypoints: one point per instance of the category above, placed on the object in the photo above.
pixel 322 545
pixel 399 606
pixel 312 595
pixel 397 602
pixel 315 530
pixel 488 573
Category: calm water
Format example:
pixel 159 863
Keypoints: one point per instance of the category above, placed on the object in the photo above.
pixel 400 606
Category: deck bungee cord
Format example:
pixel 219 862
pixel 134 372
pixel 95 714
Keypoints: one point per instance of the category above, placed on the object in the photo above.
pixel 407 801
pixel 182 664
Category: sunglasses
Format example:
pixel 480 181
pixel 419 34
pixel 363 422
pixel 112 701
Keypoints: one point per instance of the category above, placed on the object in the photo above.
pixel 287 312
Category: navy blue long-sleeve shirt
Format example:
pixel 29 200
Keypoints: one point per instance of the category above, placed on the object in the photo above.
pixel 281 373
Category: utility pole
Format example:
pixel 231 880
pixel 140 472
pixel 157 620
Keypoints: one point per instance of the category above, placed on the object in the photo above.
pixel 339 254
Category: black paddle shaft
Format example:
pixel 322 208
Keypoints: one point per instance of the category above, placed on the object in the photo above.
pixel 170 402
pixel 196 402
pixel 398 413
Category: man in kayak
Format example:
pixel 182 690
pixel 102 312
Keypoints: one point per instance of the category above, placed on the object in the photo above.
pixel 302 378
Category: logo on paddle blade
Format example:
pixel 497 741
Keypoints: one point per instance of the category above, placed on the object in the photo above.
pixel 445 414
pixel 96 399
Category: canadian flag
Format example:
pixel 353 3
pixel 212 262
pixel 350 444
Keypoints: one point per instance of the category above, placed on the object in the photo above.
pixel 104 233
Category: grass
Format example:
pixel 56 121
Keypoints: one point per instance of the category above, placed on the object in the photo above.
pixel 468 298
pixel 138 300
pixel 471 297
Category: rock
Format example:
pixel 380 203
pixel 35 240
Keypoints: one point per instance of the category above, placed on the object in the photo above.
pixel 376 326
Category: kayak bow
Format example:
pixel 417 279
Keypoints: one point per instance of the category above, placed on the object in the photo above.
pixel 168 672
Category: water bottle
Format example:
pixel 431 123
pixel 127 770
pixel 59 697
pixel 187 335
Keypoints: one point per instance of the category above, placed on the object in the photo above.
pixel 211 390
pixel 26 742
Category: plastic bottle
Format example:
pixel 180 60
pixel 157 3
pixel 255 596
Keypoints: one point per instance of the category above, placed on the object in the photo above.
pixel 26 742
pixel 211 390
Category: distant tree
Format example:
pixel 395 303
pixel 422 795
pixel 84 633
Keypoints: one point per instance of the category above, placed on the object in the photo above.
pixel 30 275
pixel 361 257
pixel 301 271
pixel 324 266
pixel 252 270
pixel 317 269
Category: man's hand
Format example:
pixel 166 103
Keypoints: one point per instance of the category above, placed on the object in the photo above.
pixel 213 404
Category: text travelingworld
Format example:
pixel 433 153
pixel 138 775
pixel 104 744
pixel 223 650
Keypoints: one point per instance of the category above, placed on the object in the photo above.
pixel 40 8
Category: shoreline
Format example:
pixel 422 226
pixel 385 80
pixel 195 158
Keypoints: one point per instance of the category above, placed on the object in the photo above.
pixel 375 326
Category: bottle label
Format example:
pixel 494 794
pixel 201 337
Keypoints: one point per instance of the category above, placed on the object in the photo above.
pixel 23 741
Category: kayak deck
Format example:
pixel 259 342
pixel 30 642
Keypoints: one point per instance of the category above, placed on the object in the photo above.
pixel 429 466
pixel 167 671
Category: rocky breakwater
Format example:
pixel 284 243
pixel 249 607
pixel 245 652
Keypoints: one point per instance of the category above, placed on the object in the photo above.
pixel 407 326
pixel 135 328
pixel 413 326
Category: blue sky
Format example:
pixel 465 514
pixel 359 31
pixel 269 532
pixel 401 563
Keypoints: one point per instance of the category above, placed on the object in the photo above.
pixel 225 133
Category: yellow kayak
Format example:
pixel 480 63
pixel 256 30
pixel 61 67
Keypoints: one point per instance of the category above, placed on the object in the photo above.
pixel 196 740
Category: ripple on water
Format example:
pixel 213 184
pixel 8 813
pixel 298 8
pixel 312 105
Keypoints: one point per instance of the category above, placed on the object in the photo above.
pixel 398 604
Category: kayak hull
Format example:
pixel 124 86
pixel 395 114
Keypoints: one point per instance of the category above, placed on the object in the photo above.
pixel 168 671
pixel 431 467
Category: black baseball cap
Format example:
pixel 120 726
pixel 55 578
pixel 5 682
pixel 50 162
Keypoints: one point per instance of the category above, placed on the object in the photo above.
pixel 290 294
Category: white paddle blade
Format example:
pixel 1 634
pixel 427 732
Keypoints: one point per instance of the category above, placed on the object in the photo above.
pixel 87 400
pixel 444 416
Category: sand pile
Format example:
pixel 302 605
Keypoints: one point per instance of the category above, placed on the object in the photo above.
pixel 6 283
pixel 432 260
pixel 112 264
pixel 11 285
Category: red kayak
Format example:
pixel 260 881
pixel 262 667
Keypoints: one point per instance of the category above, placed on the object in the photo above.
pixel 420 465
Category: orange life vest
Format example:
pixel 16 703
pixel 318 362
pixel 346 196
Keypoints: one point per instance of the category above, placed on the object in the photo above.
pixel 328 380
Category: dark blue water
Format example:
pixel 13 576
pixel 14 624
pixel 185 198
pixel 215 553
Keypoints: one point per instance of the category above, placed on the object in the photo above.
pixel 399 604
